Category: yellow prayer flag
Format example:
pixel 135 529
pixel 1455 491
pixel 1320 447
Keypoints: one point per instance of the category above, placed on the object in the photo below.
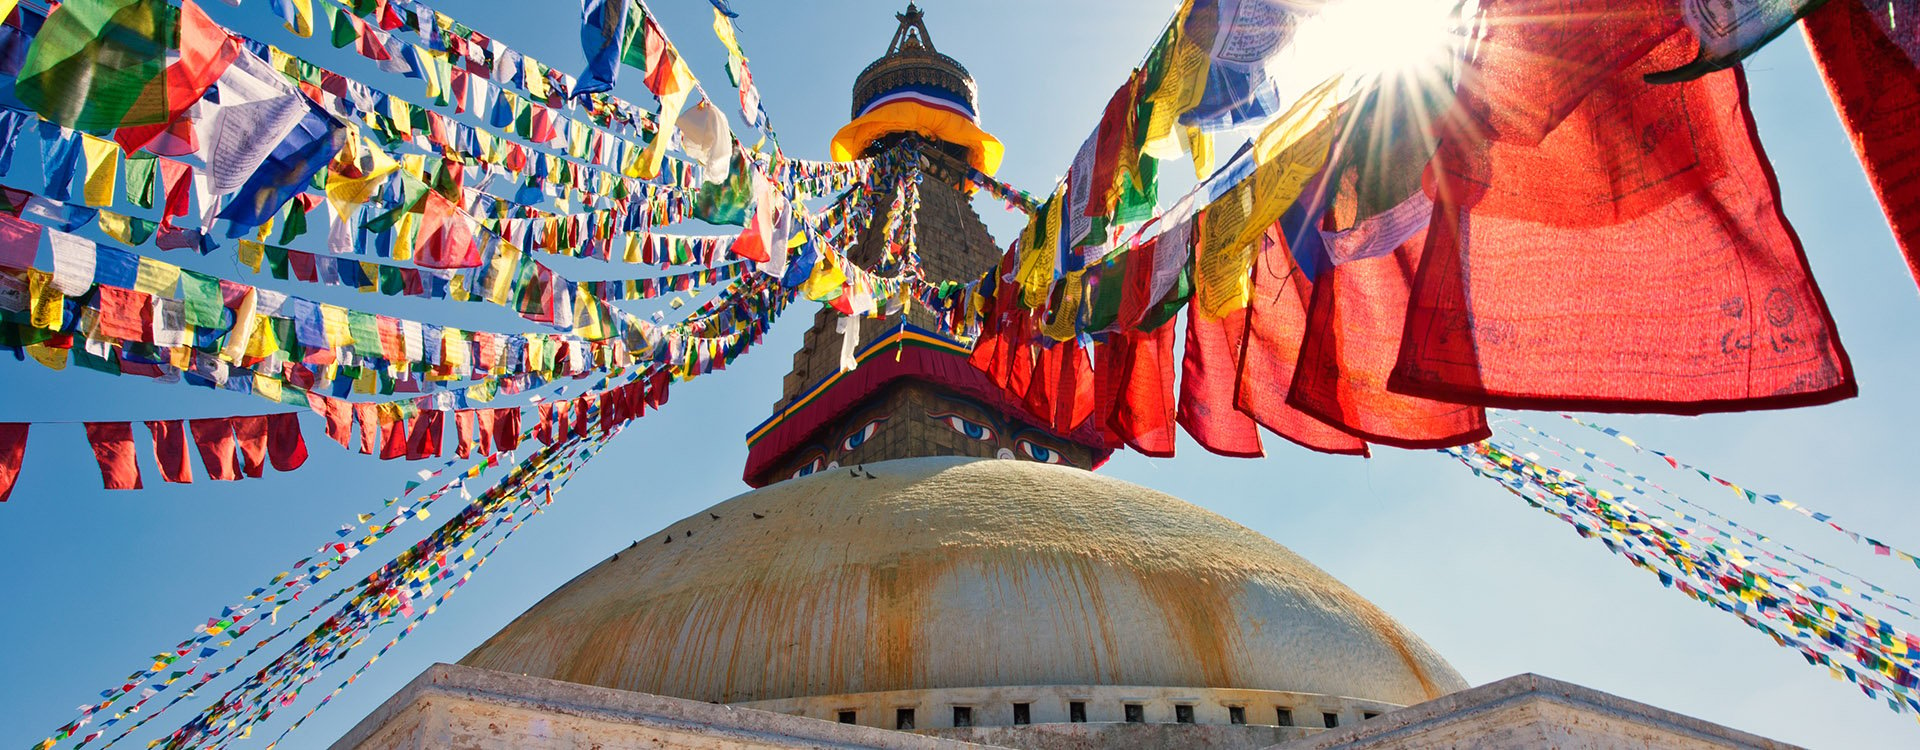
pixel 157 277
pixel 301 24
pixel 334 323
pixel 251 253
pixel 266 387
pixel 49 357
pixel 103 168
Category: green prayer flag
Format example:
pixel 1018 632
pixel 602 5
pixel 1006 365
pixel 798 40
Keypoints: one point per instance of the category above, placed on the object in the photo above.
pixel 277 261
pixel 392 282
pixel 140 172
pixel 343 33
pixel 203 301
pixel 92 61
pixel 1103 305
pixel 366 332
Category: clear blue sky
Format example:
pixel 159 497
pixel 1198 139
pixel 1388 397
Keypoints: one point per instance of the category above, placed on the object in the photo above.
pixel 94 582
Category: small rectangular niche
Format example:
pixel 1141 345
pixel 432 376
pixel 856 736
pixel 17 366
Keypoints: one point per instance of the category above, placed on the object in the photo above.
pixel 1077 712
pixel 903 719
pixel 1135 713
pixel 1282 716
pixel 1182 713
pixel 849 717
pixel 963 716
pixel 1330 719
pixel 1369 715
pixel 1022 714
pixel 1236 714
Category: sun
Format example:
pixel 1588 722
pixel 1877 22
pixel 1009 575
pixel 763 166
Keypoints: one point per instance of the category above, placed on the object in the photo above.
pixel 1365 41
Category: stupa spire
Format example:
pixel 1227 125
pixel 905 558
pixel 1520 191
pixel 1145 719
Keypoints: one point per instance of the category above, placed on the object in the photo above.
pixel 913 393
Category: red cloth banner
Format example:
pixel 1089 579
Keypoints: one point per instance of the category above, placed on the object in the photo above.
pixel 113 448
pixel 1637 259
pixel 170 450
pixel 1875 85
pixel 213 438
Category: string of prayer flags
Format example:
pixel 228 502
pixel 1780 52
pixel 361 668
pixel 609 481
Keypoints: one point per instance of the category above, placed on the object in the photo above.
pixel 1751 496
pixel 1823 620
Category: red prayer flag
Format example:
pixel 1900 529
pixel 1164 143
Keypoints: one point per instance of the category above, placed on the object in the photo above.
pixel 368 415
pixel 1540 59
pixel 424 436
pixel 463 433
pixel 286 447
pixel 393 444
pixel 205 51
pixel 580 417
pixel 250 432
pixel 338 415
pixel 113 448
pixel 445 239
pixel 13 450
pixel 1353 332
pixel 1207 380
pixel 125 314
pixel 1142 363
pixel 213 438
pixel 1637 259
pixel 170 450
pixel 1875 85
pixel 1276 322
pixel 176 183
pixel 544 430
pixel 506 428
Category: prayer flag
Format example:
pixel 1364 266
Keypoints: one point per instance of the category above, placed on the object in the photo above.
pixel 13 450
pixel 1138 367
pixel 103 168
pixel 256 113
pixel 286 172
pixel 19 242
pixel 1207 381
pixel 425 433
pixel 113 449
pixel 250 432
pixel 92 60
pixel 1873 75
pixel 213 438
pixel 205 51
pixel 1658 201
pixel 1353 331
pixel 1276 322
pixel 170 450
pixel 368 415
pixel 506 428
pixel 286 447
pixel 602 32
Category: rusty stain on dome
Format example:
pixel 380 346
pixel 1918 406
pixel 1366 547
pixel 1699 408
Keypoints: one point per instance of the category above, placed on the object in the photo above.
pixel 950 572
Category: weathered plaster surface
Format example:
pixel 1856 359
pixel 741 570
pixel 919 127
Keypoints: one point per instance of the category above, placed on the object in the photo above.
pixel 950 573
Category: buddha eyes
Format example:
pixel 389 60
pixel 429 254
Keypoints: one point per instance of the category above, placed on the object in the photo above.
pixel 1041 453
pixel 966 426
pixel 818 463
pixel 860 436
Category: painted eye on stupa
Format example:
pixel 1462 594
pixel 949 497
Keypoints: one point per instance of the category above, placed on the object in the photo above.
pixel 966 426
pixel 861 436
pixel 817 464
pixel 1041 453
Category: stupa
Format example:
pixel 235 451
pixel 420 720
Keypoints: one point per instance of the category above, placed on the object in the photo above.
pixel 923 565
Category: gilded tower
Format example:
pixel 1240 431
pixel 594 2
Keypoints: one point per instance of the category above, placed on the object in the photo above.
pixel 912 394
